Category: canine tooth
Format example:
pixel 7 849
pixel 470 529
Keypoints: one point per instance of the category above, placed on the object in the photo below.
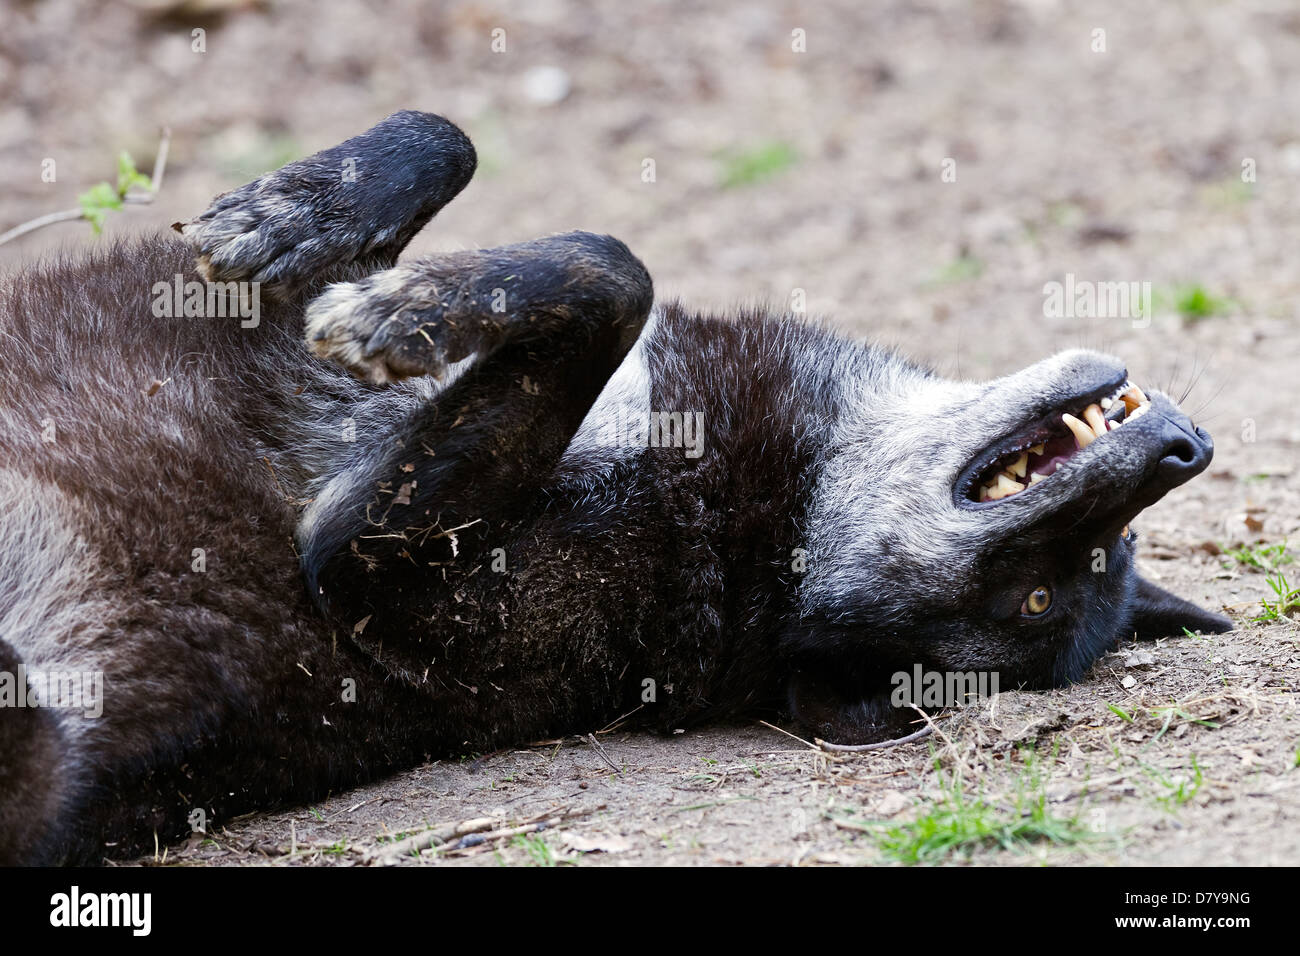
pixel 1020 465
pixel 1035 478
pixel 1036 449
pixel 1134 397
pixel 1005 486
pixel 1083 435
pixel 1093 416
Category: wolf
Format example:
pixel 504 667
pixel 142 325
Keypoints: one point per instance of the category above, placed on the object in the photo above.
pixel 489 496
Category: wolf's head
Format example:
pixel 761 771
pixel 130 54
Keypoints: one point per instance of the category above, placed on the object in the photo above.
pixel 984 527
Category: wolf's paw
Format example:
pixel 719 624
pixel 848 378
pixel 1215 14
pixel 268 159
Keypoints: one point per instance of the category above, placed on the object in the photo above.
pixel 359 201
pixel 280 230
pixel 386 327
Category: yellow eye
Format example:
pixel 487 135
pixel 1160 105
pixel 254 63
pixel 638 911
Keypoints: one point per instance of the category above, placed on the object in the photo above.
pixel 1039 600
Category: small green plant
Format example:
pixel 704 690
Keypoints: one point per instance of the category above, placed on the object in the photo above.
pixel 1120 712
pixel 99 200
pixel 746 167
pixel 1230 192
pixel 1194 303
pixel 1265 557
pixel 1167 716
pixel 102 198
pixel 538 850
pixel 1177 792
pixel 961 269
pixel 1288 599
pixel 961 823
pixel 337 849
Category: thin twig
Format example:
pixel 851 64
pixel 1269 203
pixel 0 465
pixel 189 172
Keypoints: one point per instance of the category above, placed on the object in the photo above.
pixel 946 739
pixel 68 215
pixel 880 745
pixel 422 841
pixel 591 739
pixel 491 836
pixel 159 167
pixel 788 734
pixel 160 160
pixel 618 721
pixel 444 837
pixel 48 219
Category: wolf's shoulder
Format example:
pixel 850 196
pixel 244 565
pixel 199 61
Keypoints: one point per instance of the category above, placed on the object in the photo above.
pixel 764 363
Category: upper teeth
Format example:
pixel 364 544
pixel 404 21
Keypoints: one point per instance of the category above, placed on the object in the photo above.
pixel 1086 430
pixel 1093 416
pixel 1083 434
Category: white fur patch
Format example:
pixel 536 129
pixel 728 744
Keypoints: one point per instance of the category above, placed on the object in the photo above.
pixel 628 390
pixel 52 607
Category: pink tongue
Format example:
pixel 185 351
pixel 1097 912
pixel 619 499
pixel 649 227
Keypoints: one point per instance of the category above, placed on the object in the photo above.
pixel 1049 467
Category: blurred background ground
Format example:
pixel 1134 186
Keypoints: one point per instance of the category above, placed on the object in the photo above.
pixel 777 170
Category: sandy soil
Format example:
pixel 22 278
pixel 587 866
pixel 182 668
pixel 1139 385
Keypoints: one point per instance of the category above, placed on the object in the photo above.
pixel 1117 165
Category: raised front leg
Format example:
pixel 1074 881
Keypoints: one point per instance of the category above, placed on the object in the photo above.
pixel 417 318
pixel 549 320
pixel 360 201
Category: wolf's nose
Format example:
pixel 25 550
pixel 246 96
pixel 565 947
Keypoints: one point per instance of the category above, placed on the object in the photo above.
pixel 1187 451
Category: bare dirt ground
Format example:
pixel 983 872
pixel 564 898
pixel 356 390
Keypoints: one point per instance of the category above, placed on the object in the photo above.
pixel 819 171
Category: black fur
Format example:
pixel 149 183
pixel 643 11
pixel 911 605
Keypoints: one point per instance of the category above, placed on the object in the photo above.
pixel 479 574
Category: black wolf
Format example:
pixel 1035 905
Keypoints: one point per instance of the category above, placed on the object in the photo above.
pixel 539 503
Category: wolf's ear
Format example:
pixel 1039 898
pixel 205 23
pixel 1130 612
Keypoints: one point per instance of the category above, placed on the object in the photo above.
pixel 1157 613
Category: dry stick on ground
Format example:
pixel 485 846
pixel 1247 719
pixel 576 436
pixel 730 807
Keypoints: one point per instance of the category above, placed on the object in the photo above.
pixel 881 745
pixel 591 739
pixel 484 840
pixel 825 746
pixel 422 841
pixel 788 734
pixel 946 739
pixel 618 721
pixel 447 833
pixel 68 215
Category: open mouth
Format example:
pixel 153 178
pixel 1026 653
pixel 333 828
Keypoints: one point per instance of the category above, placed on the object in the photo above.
pixel 1036 455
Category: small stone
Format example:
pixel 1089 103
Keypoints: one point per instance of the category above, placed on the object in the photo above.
pixel 546 85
